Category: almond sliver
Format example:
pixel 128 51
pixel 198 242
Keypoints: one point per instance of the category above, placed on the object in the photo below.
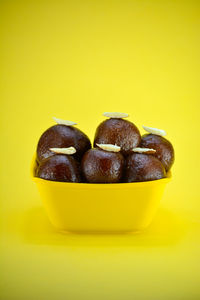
pixel 64 122
pixel 117 115
pixel 155 131
pixel 69 150
pixel 144 150
pixel 109 147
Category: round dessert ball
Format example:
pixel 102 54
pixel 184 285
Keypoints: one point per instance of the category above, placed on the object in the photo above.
pixel 164 149
pixel 143 167
pixel 62 136
pixel 59 168
pixel 99 166
pixel 118 132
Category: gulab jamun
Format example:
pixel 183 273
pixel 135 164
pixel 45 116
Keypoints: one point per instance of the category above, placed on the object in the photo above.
pixel 143 167
pixel 62 136
pixel 59 167
pixel 101 166
pixel 118 131
pixel 164 149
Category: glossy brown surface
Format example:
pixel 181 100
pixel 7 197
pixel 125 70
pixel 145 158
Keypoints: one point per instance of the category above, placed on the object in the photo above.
pixel 143 167
pixel 164 149
pixel 99 166
pixel 118 132
pixel 61 136
pixel 59 168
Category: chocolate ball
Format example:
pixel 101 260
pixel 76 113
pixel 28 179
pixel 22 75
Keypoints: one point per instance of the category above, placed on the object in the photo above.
pixel 118 132
pixel 143 167
pixel 59 168
pixel 164 149
pixel 62 136
pixel 99 166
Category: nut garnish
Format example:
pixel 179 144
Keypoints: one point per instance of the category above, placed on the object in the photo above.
pixel 109 147
pixel 117 115
pixel 69 150
pixel 144 150
pixel 155 131
pixel 64 122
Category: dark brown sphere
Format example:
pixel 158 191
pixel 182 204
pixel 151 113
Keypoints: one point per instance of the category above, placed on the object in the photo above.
pixel 99 166
pixel 118 132
pixel 143 167
pixel 62 136
pixel 59 168
pixel 164 149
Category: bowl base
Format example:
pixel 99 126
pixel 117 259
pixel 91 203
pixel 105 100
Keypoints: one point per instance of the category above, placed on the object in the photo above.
pixel 101 232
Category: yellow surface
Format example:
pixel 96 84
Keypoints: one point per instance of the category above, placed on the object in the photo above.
pixel 75 60
pixel 100 208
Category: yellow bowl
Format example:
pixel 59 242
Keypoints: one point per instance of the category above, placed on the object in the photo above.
pixel 86 207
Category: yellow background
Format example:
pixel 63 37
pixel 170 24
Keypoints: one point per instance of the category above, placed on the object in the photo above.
pixel 75 60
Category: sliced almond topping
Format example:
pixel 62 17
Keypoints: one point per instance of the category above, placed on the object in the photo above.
pixel 109 147
pixel 144 150
pixel 64 122
pixel 156 131
pixel 69 150
pixel 117 115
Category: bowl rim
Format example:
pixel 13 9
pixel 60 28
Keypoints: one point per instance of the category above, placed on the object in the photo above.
pixel 95 185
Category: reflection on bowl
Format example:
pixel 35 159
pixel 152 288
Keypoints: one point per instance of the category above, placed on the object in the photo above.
pixel 89 207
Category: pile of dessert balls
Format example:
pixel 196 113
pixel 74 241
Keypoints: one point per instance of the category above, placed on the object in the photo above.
pixel 120 153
